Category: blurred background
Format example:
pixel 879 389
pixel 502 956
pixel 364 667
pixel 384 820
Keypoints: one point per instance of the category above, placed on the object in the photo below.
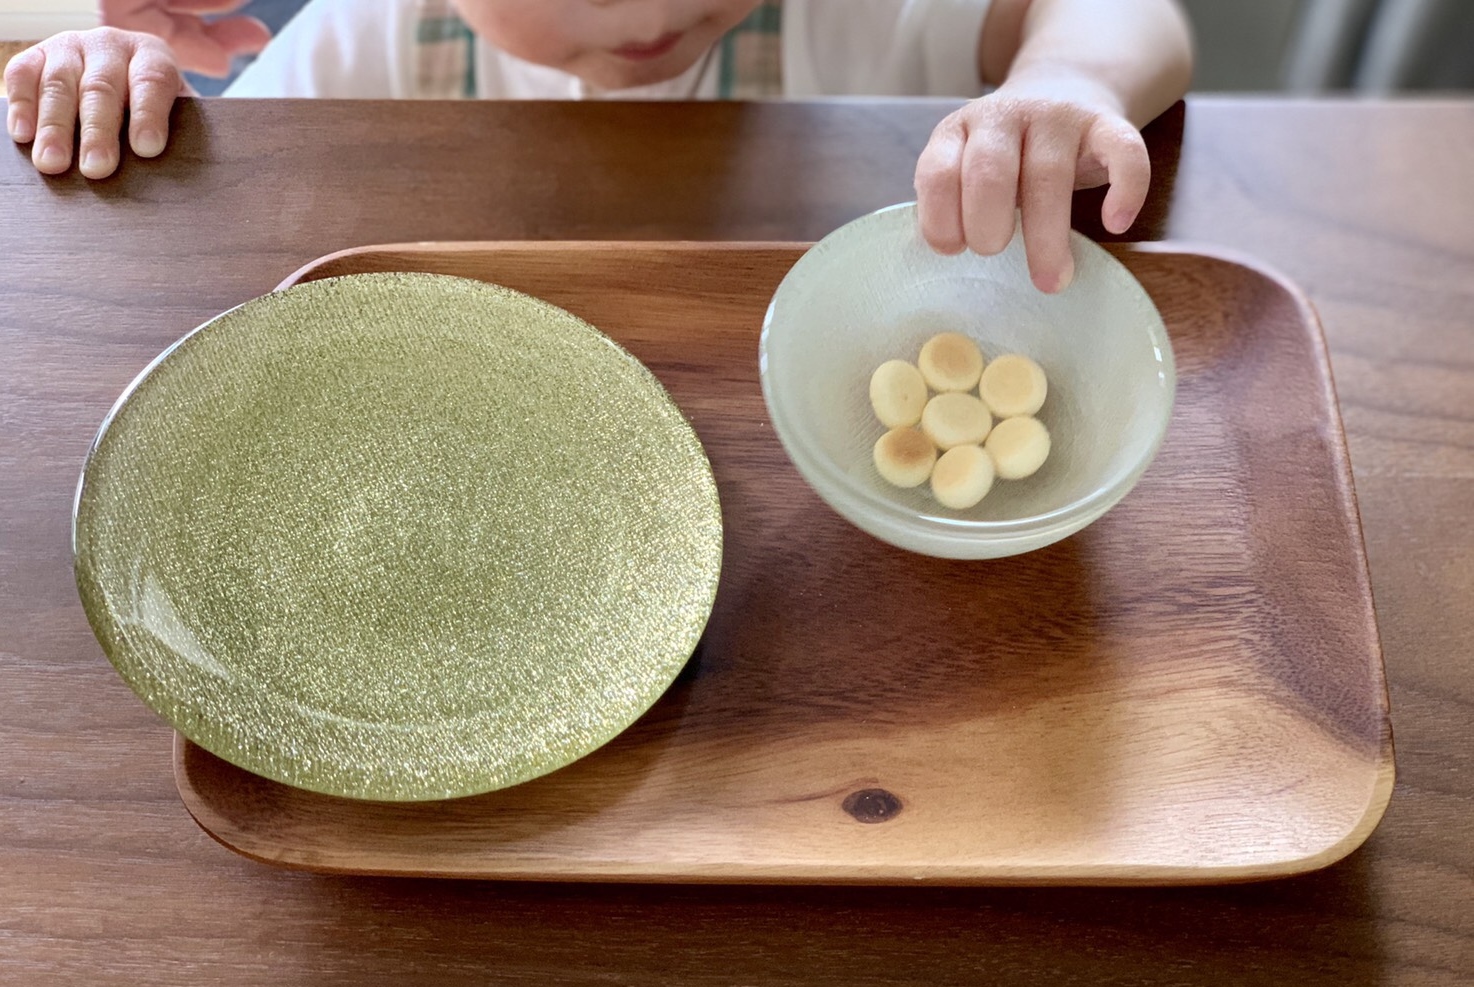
pixel 1306 47
pixel 1311 46
pixel 1302 46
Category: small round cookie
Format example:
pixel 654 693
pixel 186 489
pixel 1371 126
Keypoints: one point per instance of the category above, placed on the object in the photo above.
pixel 962 477
pixel 954 419
pixel 1013 385
pixel 951 362
pixel 904 457
pixel 897 394
pixel 1018 446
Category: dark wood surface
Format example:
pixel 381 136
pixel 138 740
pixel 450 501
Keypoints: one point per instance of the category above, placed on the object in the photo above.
pixel 1156 700
pixel 105 879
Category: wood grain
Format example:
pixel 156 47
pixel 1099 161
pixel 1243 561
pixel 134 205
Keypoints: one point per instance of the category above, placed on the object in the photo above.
pixel 1189 691
pixel 104 878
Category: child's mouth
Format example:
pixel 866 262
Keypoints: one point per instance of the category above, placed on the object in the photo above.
pixel 657 48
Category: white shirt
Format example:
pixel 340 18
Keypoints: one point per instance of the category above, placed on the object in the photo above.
pixel 364 49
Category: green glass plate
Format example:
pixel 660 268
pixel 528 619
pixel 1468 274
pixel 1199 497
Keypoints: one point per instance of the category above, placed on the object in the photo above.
pixel 397 537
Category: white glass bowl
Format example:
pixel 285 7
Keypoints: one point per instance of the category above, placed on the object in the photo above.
pixel 874 291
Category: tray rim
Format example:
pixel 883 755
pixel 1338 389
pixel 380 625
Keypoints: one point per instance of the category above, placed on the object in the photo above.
pixel 1113 875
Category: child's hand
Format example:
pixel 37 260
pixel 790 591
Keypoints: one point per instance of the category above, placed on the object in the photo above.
pixel 202 46
pixel 1028 146
pixel 91 77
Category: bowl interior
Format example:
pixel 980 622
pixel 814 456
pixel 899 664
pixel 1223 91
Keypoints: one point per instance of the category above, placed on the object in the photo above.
pixel 874 291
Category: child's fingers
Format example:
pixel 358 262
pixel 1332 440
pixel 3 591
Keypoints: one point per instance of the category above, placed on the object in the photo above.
pixel 103 93
pixel 1128 168
pixel 205 7
pixel 239 35
pixel 154 83
pixel 23 84
pixel 56 114
pixel 209 48
pixel 939 187
pixel 990 186
pixel 1046 189
pixel 196 50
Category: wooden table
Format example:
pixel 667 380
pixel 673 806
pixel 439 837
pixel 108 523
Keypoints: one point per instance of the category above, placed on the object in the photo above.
pixel 104 879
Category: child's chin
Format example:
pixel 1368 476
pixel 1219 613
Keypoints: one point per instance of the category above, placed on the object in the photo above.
pixel 615 72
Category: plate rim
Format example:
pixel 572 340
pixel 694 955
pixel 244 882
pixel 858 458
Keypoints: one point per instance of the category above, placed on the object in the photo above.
pixel 103 626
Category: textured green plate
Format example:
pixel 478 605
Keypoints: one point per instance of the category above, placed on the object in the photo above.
pixel 398 537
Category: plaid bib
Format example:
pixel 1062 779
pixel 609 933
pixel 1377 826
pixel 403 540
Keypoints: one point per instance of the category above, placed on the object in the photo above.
pixel 750 56
pixel 444 53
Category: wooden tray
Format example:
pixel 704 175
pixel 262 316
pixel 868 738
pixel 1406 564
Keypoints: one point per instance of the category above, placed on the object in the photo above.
pixel 1189 691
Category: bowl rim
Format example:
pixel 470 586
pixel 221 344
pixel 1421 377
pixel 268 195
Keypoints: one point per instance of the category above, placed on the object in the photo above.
pixel 840 490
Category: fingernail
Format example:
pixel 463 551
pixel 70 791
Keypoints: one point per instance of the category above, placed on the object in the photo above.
pixel 51 158
pixel 1066 276
pixel 96 164
pixel 149 142
pixel 21 131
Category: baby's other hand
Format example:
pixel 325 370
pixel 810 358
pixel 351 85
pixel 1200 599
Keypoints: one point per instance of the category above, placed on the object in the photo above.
pixel 91 77
pixel 1026 148
pixel 202 46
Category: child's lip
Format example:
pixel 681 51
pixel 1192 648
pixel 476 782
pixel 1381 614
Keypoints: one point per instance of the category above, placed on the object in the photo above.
pixel 658 47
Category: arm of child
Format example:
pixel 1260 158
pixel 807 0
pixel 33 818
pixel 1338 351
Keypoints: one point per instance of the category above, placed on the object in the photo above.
pixel 202 46
pixel 91 77
pixel 1076 80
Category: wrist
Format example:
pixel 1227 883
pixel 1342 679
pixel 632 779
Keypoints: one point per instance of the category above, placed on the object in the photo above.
pixel 1042 78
